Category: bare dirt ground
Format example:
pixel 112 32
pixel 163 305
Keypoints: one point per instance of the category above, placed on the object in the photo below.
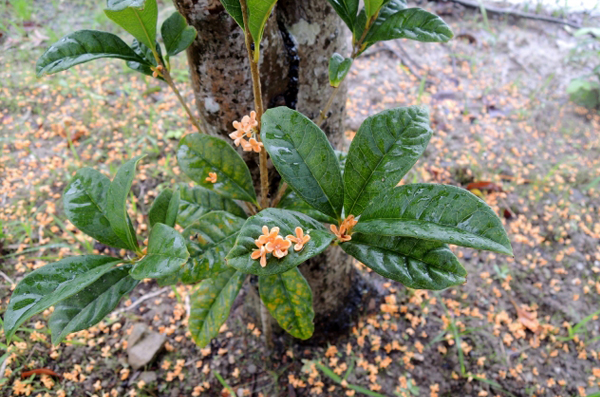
pixel 522 326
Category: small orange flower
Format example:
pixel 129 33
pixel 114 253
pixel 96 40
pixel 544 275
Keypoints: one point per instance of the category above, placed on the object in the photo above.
pixel 278 247
pixel 247 124
pixel 238 137
pixel 212 177
pixel 300 239
pixel 262 254
pixel 252 145
pixel 345 231
pixel 267 236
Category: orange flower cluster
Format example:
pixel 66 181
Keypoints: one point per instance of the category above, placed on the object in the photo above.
pixel 212 177
pixel 345 231
pixel 270 242
pixel 246 129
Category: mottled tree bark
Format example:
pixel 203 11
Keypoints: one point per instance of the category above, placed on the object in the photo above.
pixel 299 39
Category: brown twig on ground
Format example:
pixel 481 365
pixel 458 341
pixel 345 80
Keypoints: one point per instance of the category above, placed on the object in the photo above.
pixel 516 13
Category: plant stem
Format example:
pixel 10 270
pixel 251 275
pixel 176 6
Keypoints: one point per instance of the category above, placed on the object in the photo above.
pixel 254 57
pixel 355 53
pixel 171 83
pixel 282 188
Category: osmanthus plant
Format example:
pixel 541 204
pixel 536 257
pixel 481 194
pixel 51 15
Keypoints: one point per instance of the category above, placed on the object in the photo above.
pixel 354 200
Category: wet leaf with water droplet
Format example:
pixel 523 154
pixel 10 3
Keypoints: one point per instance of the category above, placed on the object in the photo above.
pixel 441 213
pixel 167 252
pixel 385 148
pixel 84 201
pixel 51 284
pixel 416 263
pixel 305 159
pixel 90 305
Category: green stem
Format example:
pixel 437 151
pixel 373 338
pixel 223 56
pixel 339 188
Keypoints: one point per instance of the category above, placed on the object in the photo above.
pixel 254 57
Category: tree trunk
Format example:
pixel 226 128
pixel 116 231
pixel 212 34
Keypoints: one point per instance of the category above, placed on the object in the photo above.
pixel 298 41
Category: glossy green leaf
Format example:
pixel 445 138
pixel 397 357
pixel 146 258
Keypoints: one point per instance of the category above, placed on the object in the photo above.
pixel 90 305
pixel 200 154
pixel 197 201
pixel 411 23
pixel 304 158
pixel 160 207
pixel 138 17
pixel 173 209
pixel 177 34
pixel 385 148
pixel 211 304
pixel 441 213
pixel 258 14
pixel 234 9
pixel 116 203
pixel 389 9
pixel 287 221
pixel 84 202
pixel 372 6
pixel 80 47
pixel 51 284
pixel 288 298
pixel 291 201
pixel 338 69
pixel 167 253
pixel 347 10
pixel 209 240
pixel 416 263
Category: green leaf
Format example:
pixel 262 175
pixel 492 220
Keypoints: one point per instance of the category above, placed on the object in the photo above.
pixel 385 148
pixel 288 298
pixel 389 8
pixel 159 208
pixel 304 158
pixel 209 240
pixel 200 154
pixel 258 14
pixel 51 284
pixel 197 201
pixel 167 253
pixel 410 23
pixel 165 208
pixel 148 58
pixel 90 305
pixel 416 263
pixel 177 34
pixel 287 221
pixel 84 202
pixel 441 213
pixel 116 203
pixel 291 201
pixel 347 10
pixel 138 17
pixel 211 304
pixel 234 9
pixel 80 47
pixel 372 6
pixel 338 69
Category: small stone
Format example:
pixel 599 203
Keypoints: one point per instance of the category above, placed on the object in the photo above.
pixel 251 369
pixel 139 329
pixel 145 350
